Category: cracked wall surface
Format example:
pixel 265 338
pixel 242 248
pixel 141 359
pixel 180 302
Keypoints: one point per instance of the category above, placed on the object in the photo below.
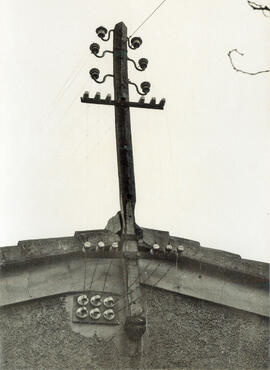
pixel 182 332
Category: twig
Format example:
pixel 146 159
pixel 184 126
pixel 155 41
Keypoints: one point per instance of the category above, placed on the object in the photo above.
pixel 240 70
pixel 256 6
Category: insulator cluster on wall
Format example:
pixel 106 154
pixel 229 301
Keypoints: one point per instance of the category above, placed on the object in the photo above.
pixel 95 307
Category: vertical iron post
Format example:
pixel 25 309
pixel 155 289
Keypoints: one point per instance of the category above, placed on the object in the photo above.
pixel 135 322
pixel 123 131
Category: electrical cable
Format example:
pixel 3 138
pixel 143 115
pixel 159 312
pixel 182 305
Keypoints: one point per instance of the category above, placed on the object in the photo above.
pixel 142 295
pixel 148 17
pixel 107 272
pixel 65 87
pixel 97 261
pixel 85 259
pixel 135 280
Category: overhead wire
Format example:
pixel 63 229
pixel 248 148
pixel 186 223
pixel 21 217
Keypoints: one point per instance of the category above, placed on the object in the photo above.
pixel 106 275
pixel 61 119
pixel 58 96
pixel 78 68
pixel 94 272
pixel 68 82
pixel 61 92
pixel 161 278
pixel 156 282
pixel 135 280
pixel 84 278
pixel 148 17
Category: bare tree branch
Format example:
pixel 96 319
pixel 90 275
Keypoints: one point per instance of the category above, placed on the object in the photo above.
pixel 240 70
pixel 263 9
pixel 256 6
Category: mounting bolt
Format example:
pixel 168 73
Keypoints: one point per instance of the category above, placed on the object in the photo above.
pixel 180 248
pixel 108 302
pixel 82 312
pixel 101 245
pixel 96 300
pixel 95 314
pixel 155 248
pixel 82 300
pixel 169 247
pixel 114 245
pixel 109 314
pixel 87 245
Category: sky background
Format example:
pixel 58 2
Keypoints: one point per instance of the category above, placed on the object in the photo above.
pixel 201 165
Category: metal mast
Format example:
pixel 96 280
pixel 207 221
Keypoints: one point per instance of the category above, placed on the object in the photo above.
pixel 135 321
pixel 123 130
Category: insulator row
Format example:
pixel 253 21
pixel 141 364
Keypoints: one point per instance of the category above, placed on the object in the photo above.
pixel 96 300
pixel 100 246
pixel 95 313
pixel 108 100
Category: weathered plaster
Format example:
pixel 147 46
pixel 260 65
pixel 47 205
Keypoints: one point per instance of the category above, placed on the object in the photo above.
pixel 182 332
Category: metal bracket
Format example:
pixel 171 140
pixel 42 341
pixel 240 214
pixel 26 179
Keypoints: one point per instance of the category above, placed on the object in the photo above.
pixel 107 101
pixel 94 307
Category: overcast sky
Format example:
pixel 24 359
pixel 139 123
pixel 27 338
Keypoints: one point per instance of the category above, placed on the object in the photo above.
pixel 201 165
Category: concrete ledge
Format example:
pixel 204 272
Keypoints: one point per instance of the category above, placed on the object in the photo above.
pixel 214 285
pixel 40 268
pixel 28 251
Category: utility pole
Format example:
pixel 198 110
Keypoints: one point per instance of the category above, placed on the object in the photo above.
pixel 135 313
pixel 123 131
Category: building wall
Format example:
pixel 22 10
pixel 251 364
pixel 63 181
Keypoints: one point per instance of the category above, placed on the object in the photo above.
pixel 182 332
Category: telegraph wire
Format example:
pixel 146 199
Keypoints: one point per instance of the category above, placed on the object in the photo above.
pixel 162 277
pixel 148 17
pixel 107 272
pixel 133 290
pixel 137 278
pixel 78 68
pixel 142 295
pixel 65 87
pixel 84 279
pixel 72 102
pixel 97 261
pixel 72 76
pixel 95 144
pixel 60 120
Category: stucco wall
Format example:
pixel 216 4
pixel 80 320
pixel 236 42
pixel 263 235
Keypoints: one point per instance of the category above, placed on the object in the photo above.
pixel 182 332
